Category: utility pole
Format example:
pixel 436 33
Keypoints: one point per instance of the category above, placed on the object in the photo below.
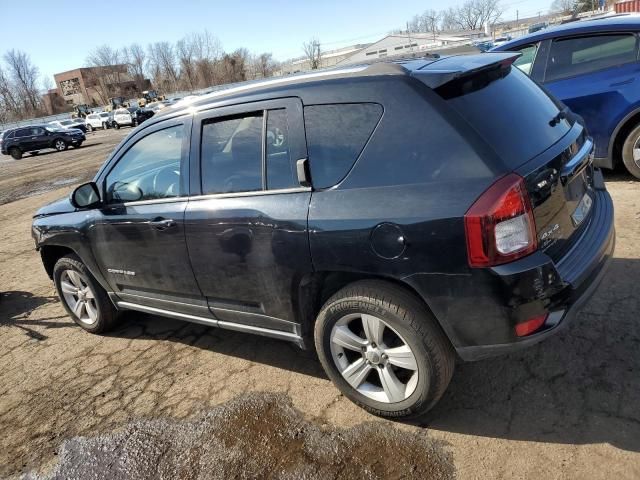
pixel 517 17
pixel 409 37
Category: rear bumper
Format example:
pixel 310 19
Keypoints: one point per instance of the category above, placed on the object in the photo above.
pixel 536 285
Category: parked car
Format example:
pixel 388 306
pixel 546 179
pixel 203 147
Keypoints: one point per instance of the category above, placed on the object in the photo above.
pixel 155 106
pixel 592 66
pixel 393 216
pixel 133 111
pixel 97 120
pixel 76 123
pixel 34 138
pixel 120 118
pixel 143 114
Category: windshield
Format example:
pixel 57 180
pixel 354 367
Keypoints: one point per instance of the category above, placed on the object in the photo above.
pixel 104 114
pixel 53 129
pixel 66 122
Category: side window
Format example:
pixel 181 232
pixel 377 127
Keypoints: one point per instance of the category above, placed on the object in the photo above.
pixel 150 169
pixel 576 56
pixel 281 171
pixel 22 132
pixel 37 131
pixel 231 154
pixel 336 134
pixel 525 61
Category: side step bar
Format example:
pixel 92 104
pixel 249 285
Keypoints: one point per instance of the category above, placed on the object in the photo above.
pixel 212 322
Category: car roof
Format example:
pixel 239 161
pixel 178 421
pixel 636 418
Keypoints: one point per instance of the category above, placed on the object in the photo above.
pixel 615 23
pixel 276 86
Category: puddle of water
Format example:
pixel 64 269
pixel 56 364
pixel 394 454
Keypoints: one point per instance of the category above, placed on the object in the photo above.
pixel 256 436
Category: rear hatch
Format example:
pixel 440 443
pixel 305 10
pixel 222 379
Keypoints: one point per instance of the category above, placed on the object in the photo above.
pixel 533 135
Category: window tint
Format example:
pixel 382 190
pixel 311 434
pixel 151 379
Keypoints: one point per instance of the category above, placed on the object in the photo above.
pixel 576 56
pixel 22 132
pixel 281 171
pixel 336 134
pixel 231 155
pixel 509 111
pixel 525 61
pixel 150 169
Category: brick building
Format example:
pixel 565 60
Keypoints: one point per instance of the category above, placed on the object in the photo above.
pixel 92 86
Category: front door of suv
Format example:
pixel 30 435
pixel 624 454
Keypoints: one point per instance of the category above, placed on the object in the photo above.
pixel 247 230
pixel 138 236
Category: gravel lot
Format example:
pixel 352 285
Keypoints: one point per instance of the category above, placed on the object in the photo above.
pixel 196 402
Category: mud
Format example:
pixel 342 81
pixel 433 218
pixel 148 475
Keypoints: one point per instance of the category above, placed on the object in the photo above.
pixel 257 436
pixel 566 408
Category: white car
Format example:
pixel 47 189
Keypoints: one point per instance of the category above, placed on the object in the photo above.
pixel 70 123
pixel 97 120
pixel 122 117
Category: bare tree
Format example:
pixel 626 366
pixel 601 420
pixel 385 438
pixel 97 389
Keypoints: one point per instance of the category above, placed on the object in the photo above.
pixel 162 61
pixel 9 102
pixel 312 52
pixel 185 52
pixel 136 57
pixel 566 7
pixel 262 65
pixel 474 14
pixel 105 77
pixel 24 76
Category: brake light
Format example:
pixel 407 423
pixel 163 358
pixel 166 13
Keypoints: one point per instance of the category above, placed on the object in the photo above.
pixel 499 225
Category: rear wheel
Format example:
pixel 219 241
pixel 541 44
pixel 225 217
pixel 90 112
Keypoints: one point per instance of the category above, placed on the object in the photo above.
pixel 631 152
pixel 90 127
pixel 383 349
pixel 60 145
pixel 82 296
pixel 15 153
pixel 117 126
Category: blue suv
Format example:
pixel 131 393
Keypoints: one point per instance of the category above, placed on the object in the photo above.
pixel 592 66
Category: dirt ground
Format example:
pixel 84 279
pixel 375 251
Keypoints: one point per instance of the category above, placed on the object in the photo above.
pixel 187 401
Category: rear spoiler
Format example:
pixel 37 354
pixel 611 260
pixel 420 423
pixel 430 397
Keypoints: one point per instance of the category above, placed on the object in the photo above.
pixel 449 69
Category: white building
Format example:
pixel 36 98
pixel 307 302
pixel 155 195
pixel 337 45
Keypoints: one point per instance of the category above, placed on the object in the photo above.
pixel 409 45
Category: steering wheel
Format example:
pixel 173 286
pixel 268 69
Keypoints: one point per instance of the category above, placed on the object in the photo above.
pixel 166 182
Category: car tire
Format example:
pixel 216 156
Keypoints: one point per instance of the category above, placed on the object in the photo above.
pixel 86 302
pixel 404 384
pixel 90 128
pixel 104 126
pixel 631 152
pixel 15 153
pixel 60 145
pixel 116 126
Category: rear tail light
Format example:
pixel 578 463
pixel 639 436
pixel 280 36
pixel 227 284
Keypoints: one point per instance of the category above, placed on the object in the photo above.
pixel 500 226
pixel 527 328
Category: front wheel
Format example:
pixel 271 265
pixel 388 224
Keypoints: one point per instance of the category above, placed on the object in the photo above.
pixel 117 126
pixel 90 128
pixel 384 350
pixel 631 152
pixel 82 296
pixel 15 153
pixel 60 145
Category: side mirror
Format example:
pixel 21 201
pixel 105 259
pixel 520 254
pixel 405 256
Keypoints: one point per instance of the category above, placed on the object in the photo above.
pixel 86 196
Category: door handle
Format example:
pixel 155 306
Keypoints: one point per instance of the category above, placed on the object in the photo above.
pixel 162 223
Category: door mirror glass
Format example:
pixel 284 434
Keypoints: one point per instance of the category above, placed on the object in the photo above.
pixel 85 196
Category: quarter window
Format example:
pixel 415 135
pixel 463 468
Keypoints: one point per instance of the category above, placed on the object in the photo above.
pixel 577 56
pixel 525 61
pixel 150 169
pixel 336 134
pixel 231 154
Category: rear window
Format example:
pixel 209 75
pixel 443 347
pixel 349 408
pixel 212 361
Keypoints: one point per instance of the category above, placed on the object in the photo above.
pixel 336 134
pixel 577 56
pixel 509 111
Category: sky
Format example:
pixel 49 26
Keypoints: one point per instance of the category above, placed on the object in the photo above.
pixel 58 36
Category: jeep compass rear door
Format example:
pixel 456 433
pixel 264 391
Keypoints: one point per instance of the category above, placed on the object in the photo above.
pixel 247 230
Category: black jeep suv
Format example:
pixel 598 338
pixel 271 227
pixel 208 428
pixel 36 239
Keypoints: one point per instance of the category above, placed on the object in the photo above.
pixel 393 216
pixel 34 138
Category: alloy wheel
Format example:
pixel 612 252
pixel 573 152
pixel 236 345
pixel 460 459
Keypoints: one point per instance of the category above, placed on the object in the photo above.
pixel 636 152
pixel 374 358
pixel 59 145
pixel 79 296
